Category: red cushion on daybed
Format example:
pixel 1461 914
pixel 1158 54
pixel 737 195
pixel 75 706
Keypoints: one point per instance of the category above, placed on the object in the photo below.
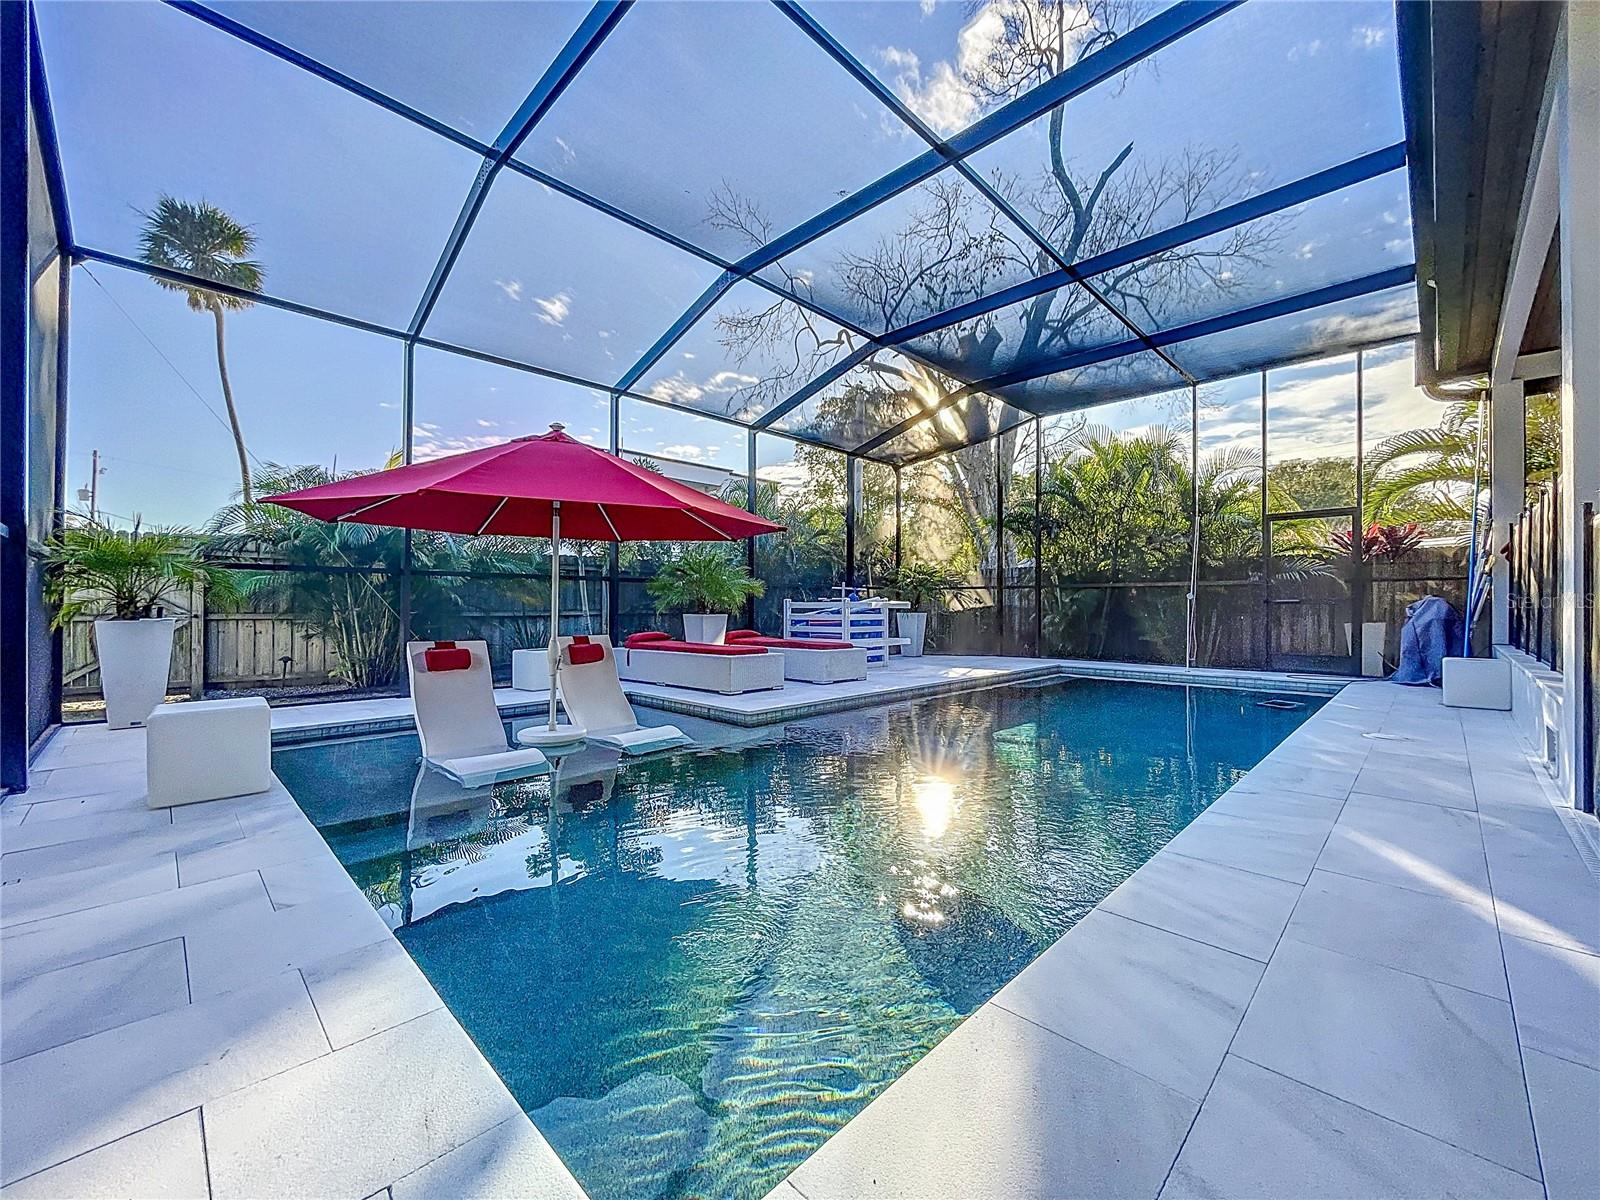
pixel 739 635
pixel 640 639
pixel 748 637
pixel 674 647
pixel 447 656
pixel 585 652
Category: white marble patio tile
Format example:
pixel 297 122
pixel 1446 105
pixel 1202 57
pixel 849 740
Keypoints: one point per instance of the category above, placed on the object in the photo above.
pixel 290 843
pixel 1284 847
pixel 1525 837
pixel 1219 905
pixel 224 955
pixel 1497 786
pixel 1264 1136
pixel 1424 780
pixel 1565 1098
pixel 1004 1109
pixel 1331 781
pixel 1250 797
pixel 86 1093
pixel 79 827
pixel 121 775
pixel 1158 1003
pixel 1555 993
pixel 167 1161
pixel 108 847
pixel 510 1160
pixel 41 1011
pixel 13 811
pixel 1408 930
pixel 89 752
pixel 306 881
pixel 1425 847
pixel 34 899
pixel 350 1122
pixel 369 989
pixel 1557 901
pixel 1440 1059
pixel 95 933
pixel 99 803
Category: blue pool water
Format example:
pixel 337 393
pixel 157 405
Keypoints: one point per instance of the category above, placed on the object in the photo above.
pixel 692 969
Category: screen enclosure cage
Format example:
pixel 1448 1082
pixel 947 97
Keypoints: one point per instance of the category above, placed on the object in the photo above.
pixel 902 275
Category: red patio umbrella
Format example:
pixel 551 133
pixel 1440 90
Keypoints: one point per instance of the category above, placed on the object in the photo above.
pixel 546 485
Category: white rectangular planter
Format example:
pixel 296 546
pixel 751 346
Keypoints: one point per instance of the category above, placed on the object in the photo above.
pixel 134 657
pixel 706 629
pixel 913 626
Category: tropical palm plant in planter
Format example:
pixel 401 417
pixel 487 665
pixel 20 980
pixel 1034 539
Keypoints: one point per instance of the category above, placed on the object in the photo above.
pixel 705 584
pixel 919 585
pixel 90 569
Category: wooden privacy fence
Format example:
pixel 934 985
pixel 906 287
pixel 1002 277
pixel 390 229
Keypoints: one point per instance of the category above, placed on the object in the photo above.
pixel 239 650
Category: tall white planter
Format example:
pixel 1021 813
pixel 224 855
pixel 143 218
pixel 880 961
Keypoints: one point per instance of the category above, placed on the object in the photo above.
pixel 913 626
pixel 710 629
pixel 134 657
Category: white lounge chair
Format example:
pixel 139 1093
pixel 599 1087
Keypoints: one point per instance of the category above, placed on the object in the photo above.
pixel 593 698
pixel 457 719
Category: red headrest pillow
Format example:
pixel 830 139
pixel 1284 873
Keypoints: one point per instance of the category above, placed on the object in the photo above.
pixel 447 656
pixel 644 639
pixel 739 635
pixel 581 639
pixel 585 652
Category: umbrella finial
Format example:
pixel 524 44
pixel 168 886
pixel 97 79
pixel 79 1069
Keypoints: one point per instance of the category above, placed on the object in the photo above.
pixel 556 426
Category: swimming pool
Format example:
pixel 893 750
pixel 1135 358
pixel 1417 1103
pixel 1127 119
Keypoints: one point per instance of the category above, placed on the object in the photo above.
pixel 690 970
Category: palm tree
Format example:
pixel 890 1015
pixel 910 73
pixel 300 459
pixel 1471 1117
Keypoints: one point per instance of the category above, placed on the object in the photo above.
pixel 200 239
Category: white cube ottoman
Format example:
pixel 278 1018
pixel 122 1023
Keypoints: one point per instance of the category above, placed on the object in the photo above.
pixel 208 750
pixel 1477 683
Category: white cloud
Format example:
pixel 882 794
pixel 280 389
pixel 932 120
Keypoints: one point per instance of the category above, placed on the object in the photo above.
pixel 928 6
pixel 728 381
pixel 431 446
pixel 511 287
pixel 553 310
pixel 482 424
pixel 688 354
pixel 387 404
pixel 941 97
pixel 677 389
pixel 689 452
pixel 939 93
pixel 1370 37
pixel 785 475
pixel 1305 50
pixel 567 151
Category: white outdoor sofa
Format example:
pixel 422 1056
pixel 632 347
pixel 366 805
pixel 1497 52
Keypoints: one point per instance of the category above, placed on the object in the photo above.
pixel 729 670
pixel 819 662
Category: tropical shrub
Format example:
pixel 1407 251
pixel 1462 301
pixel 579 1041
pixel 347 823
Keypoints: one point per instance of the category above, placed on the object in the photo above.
pixel 91 568
pixel 703 579
pixel 921 584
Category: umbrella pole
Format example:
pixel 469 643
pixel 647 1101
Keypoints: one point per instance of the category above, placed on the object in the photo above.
pixel 555 606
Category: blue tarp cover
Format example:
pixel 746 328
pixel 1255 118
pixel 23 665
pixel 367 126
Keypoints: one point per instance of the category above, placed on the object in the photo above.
pixel 1432 632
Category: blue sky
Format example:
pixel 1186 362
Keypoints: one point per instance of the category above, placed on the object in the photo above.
pixel 351 204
